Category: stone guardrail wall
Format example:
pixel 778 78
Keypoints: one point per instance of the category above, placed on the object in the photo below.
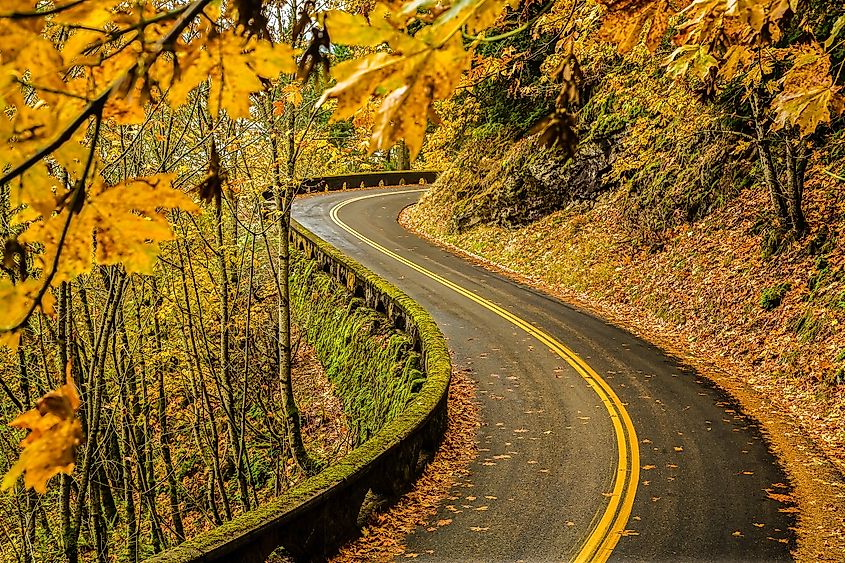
pixel 316 516
pixel 368 180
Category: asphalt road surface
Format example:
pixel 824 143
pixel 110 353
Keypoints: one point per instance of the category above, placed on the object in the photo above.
pixel 594 444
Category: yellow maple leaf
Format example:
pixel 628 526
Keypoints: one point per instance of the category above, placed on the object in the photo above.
pixel 54 435
pixel 355 29
pixel 130 222
pixel 809 96
pixel 416 72
pixel 35 188
pixel 475 15
pixel 15 301
pixel 236 69
pixel 127 220
pixel 625 19
pixel 293 94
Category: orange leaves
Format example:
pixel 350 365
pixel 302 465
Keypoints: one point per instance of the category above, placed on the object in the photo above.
pixel 744 22
pixel 50 447
pixel 809 96
pixel 625 20
pixel 293 94
pixel 724 39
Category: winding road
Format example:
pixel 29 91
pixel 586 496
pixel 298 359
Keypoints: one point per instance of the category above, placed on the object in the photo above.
pixel 594 443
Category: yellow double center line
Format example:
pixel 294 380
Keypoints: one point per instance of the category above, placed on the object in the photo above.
pixel 609 524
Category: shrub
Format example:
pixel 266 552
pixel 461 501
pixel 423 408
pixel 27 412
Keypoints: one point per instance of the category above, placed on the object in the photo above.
pixel 771 297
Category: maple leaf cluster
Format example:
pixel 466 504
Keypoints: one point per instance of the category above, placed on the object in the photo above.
pixel 54 435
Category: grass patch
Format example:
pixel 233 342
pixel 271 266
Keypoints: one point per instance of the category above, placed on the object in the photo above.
pixel 772 297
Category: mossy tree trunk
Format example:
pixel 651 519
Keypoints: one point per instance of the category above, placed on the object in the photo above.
pixel 284 192
pixel 788 153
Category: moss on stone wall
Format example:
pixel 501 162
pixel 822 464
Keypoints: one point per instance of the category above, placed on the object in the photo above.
pixel 373 366
pixel 384 387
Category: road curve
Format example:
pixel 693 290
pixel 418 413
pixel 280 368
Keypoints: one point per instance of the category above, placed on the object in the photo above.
pixel 594 444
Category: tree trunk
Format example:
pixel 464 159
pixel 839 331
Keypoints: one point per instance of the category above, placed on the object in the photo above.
pixel 164 436
pixel 225 358
pixel 796 167
pixel 770 175
pixel 284 193
pixel 403 156
pixel 96 369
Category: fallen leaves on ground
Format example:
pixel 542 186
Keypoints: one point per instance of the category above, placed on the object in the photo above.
pixel 383 540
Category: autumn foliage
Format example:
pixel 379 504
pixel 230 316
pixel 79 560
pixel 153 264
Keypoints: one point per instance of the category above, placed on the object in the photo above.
pixel 133 131
pixel 54 435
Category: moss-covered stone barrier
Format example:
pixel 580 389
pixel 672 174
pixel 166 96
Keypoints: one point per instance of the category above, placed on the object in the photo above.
pixel 369 180
pixel 374 366
pixel 390 365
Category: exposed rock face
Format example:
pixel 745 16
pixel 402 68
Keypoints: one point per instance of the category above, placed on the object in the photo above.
pixel 529 182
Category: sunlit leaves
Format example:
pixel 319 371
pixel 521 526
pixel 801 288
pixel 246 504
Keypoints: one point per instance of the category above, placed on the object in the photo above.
pixel 410 77
pixel 809 96
pixel 16 301
pixel 625 20
pixel 54 435
pixel 736 39
pixel 36 189
pixel 292 94
pixel 694 59
pixel 235 72
pixel 837 28
pixel 475 15
pixel 355 29
pixel 235 69
pixel 736 59
pixel 121 224
pixel 127 221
